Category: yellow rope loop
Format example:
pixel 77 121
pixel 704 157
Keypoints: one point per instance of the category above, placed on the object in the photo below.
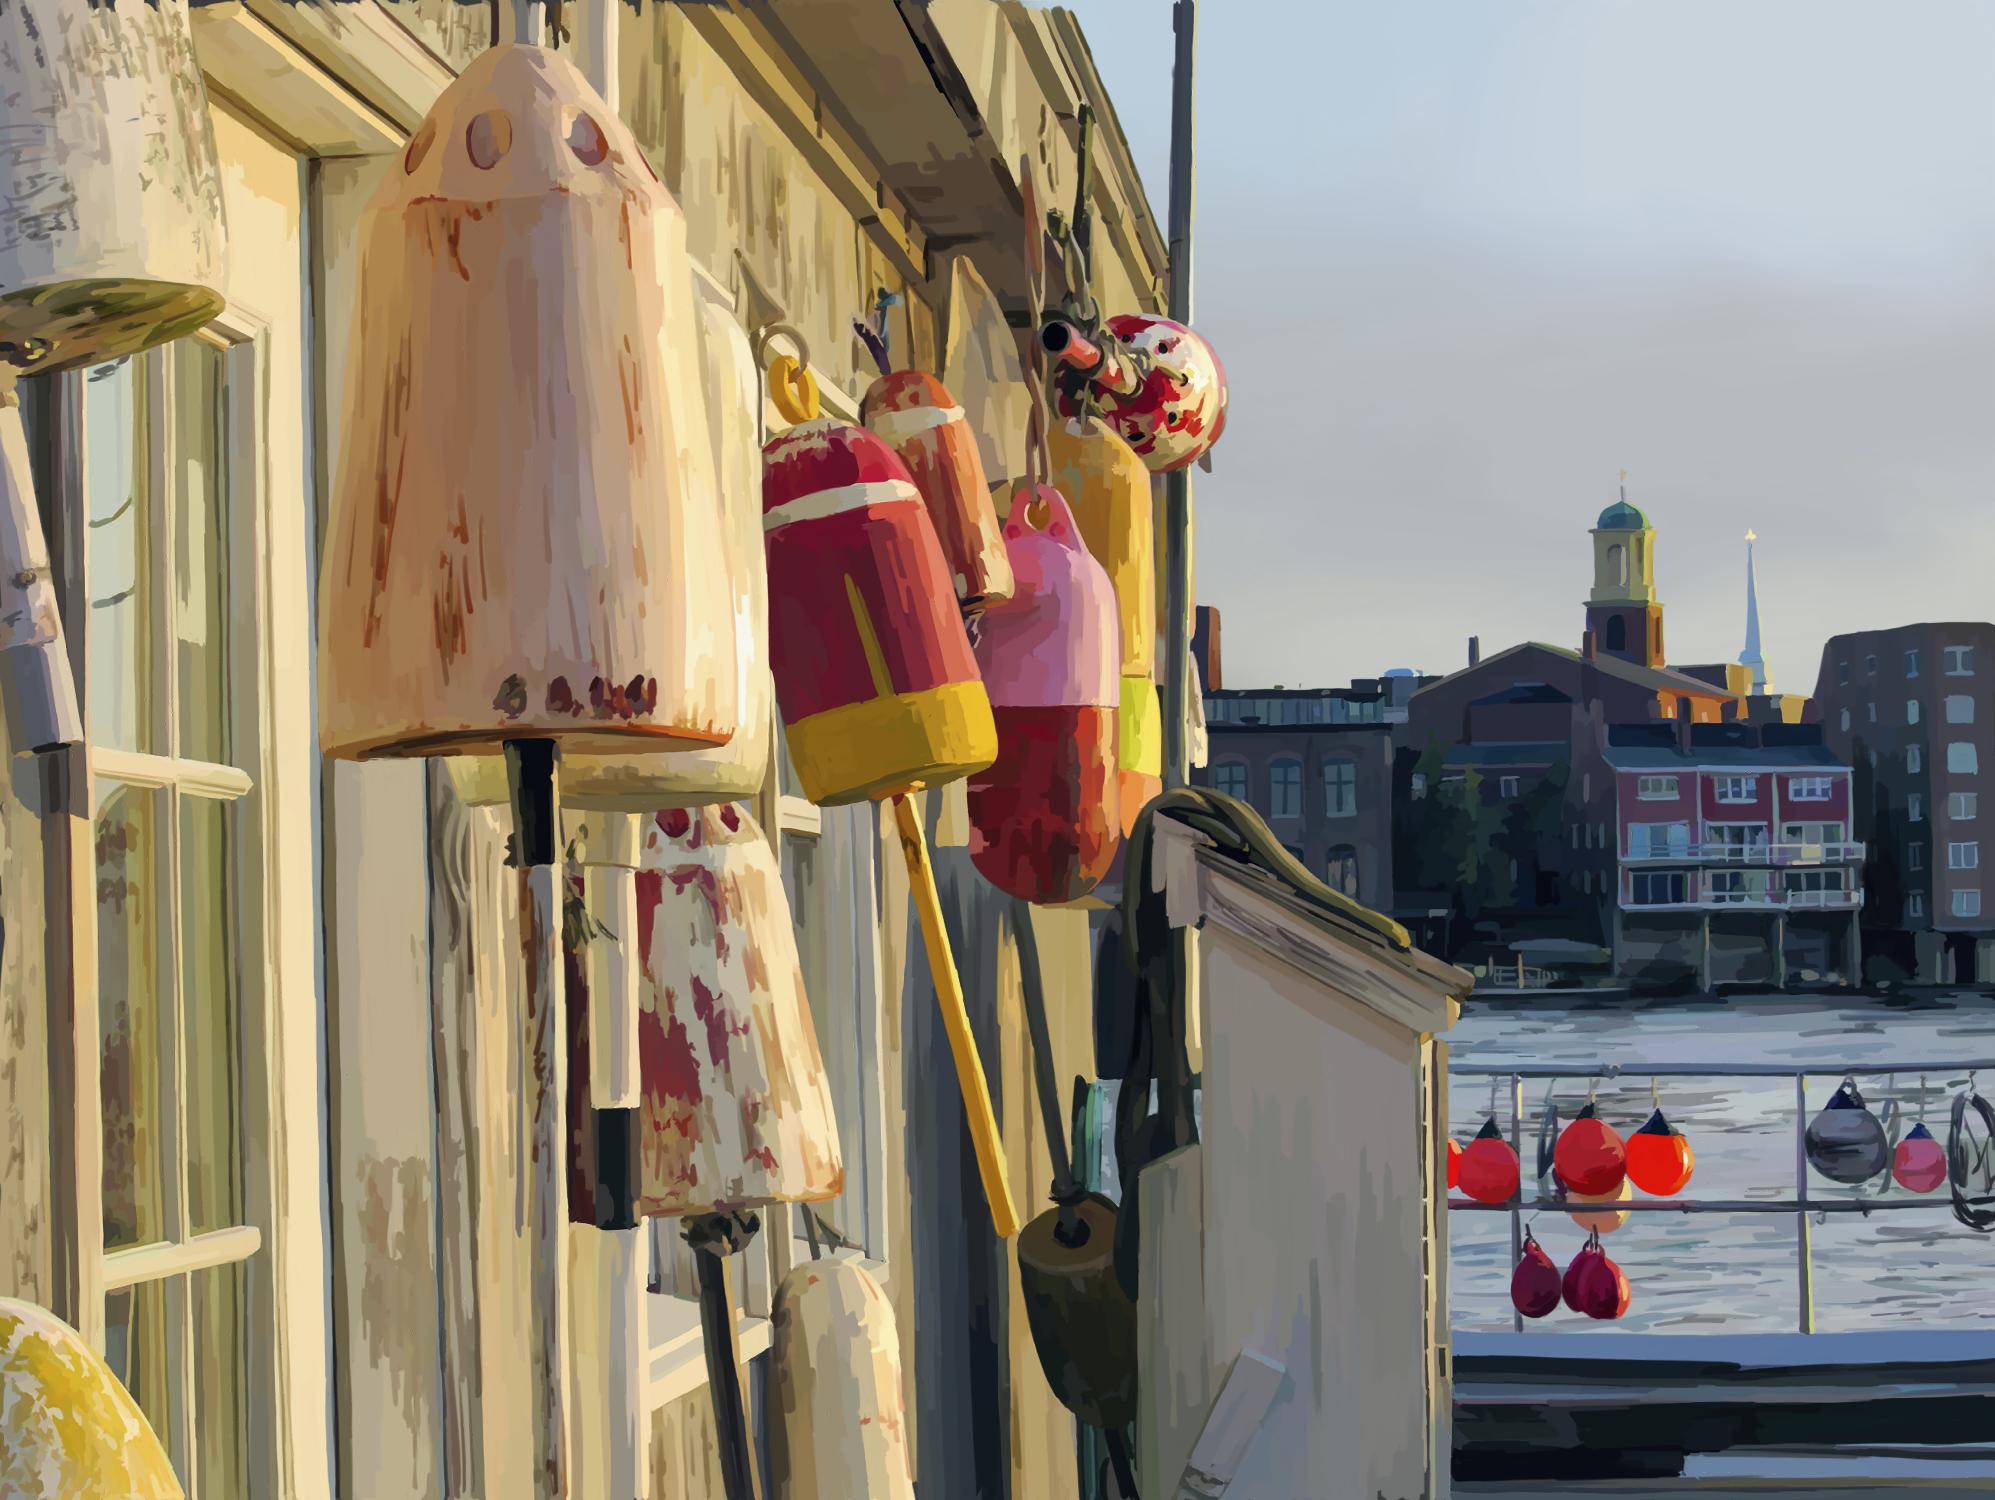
pixel 793 388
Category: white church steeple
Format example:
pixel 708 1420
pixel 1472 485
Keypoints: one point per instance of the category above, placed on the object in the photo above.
pixel 1750 657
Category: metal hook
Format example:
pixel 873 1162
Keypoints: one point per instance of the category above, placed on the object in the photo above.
pixel 1655 1092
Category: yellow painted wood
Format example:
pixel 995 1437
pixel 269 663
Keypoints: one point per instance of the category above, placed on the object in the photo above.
pixel 67 1427
pixel 984 1135
pixel 1108 490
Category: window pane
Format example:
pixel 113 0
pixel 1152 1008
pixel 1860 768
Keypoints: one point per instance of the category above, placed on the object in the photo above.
pixel 221 1378
pixel 136 1349
pixel 119 654
pixel 200 548
pixel 209 990
pixel 129 1013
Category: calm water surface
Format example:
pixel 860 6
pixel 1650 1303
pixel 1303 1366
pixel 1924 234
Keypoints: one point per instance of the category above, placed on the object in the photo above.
pixel 1732 1273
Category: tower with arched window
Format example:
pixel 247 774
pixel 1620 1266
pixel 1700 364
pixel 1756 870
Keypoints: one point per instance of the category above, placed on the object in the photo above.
pixel 1623 615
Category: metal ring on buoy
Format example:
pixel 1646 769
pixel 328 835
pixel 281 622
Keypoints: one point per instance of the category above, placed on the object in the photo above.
pixel 793 388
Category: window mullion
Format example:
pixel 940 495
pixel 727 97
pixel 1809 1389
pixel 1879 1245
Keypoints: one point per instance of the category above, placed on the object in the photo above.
pixel 163 463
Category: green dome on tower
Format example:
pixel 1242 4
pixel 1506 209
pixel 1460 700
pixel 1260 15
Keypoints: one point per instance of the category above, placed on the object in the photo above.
pixel 1621 516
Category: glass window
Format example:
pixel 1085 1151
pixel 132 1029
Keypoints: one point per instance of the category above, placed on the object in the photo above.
pixel 1967 903
pixel 1737 887
pixel 1509 787
pixel 1960 708
pixel 1738 788
pixel 1913 758
pixel 1845 720
pixel 1809 788
pixel 167 640
pixel 1870 664
pixel 1418 787
pixel 1915 904
pixel 1340 788
pixel 1911 710
pixel 1842 671
pixel 1230 777
pixel 1915 856
pixel 1285 787
pixel 1658 840
pixel 1656 788
pixel 1964 856
pixel 1911 663
pixel 1341 870
pixel 1960 661
pixel 1658 888
pixel 1915 808
pixel 1963 806
pixel 1962 758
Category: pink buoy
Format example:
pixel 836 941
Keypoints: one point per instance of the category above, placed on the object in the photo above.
pixel 1044 818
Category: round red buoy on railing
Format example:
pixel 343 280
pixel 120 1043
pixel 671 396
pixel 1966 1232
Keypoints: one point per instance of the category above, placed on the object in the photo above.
pixel 1660 1158
pixel 1534 1286
pixel 1589 1157
pixel 1920 1163
pixel 1489 1166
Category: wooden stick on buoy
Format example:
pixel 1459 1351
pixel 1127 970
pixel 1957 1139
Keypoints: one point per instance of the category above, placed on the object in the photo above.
pixel 956 1020
pixel 542 1206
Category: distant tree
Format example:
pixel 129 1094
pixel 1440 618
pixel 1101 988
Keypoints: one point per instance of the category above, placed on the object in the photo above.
pixel 1530 830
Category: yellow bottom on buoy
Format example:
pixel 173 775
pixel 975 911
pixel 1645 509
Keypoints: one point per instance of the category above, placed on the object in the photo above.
pixel 1139 746
pixel 67 1427
pixel 862 751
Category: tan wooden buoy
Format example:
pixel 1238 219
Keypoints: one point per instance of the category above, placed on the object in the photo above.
pixel 648 782
pixel 525 540
pixel 838 1412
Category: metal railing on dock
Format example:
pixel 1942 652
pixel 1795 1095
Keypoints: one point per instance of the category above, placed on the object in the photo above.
pixel 1801 1205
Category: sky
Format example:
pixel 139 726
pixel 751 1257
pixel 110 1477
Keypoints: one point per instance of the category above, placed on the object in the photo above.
pixel 1465 262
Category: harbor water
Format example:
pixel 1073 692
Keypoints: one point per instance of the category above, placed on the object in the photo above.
pixel 1730 1273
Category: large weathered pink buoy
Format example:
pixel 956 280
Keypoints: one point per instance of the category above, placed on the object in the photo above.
pixel 1044 817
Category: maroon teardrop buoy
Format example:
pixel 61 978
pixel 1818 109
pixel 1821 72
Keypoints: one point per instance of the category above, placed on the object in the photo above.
pixel 1569 1286
pixel 1660 1159
pixel 1489 1166
pixel 1535 1287
pixel 1920 1163
pixel 1589 1157
pixel 1602 1286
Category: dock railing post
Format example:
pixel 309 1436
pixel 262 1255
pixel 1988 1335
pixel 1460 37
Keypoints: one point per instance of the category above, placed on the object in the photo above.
pixel 1804 1271
pixel 1516 1211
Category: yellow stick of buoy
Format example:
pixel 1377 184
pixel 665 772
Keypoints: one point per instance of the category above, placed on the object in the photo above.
pixel 956 1020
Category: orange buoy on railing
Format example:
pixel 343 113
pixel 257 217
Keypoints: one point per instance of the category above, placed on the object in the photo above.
pixel 1660 1158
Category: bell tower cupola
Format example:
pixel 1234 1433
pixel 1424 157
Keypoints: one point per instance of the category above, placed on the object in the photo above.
pixel 1623 615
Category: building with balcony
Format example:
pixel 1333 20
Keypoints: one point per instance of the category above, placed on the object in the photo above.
pixel 1913 710
pixel 1733 857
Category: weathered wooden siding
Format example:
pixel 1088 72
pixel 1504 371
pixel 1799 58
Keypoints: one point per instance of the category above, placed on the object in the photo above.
pixel 24 1072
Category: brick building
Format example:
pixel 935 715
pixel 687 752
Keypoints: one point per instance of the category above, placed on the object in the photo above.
pixel 1912 709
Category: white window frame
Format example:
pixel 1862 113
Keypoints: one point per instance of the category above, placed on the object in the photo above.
pixel 1912 662
pixel 172 1260
pixel 1914 760
pixel 1967 902
pixel 1810 788
pixel 1962 758
pixel 1657 788
pixel 1736 789
pixel 1911 710
pixel 1964 854
pixel 1509 787
pixel 1960 708
pixel 1959 660
pixel 1915 856
pixel 1915 904
pixel 1963 807
pixel 1915 808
